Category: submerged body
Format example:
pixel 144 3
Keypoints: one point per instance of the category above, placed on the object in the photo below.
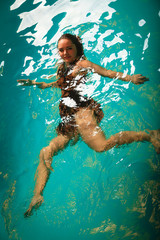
pixel 72 100
pixel 80 115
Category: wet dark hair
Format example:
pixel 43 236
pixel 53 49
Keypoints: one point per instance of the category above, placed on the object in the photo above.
pixel 75 40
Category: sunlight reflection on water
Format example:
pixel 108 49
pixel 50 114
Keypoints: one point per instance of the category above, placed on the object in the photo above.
pixel 42 19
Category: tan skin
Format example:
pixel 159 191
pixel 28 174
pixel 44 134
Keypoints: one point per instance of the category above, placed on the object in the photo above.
pixel 86 122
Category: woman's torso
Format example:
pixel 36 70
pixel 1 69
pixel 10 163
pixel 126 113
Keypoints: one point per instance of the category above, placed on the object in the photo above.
pixel 72 85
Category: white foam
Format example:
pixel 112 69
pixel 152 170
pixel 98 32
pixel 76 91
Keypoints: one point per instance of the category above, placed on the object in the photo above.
pixel 27 58
pixel 9 50
pixel 16 4
pixel 30 68
pixel 75 14
pixel 141 22
pixel 2 64
pixel 146 43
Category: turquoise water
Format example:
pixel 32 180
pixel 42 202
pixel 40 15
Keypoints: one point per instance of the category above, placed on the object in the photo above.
pixel 97 196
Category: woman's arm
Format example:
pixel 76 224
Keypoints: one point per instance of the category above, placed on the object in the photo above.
pixel 42 85
pixel 136 79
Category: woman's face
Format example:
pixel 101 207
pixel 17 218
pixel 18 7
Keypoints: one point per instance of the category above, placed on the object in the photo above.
pixel 67 50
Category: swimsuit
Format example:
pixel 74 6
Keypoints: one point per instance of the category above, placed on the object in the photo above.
pixel 72 100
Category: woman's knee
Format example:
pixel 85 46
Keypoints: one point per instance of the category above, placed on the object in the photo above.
pixel 45 153
pixel 102 146
pixel 99 148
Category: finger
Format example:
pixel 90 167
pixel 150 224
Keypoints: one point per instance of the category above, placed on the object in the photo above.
pixel 141 77
pixel 51 169
pixel 28 213
pixel 25 80
pixel 38 204
pixel 144 78
pixel 138 75
pixel 138 83
pixel 21 80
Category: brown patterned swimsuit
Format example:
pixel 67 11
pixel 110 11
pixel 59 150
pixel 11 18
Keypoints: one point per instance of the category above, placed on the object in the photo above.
pixel 70 93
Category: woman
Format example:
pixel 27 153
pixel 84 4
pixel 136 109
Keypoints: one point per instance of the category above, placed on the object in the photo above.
pixel 80 115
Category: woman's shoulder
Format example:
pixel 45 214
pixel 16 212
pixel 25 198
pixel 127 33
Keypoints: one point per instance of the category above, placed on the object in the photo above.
pixel 84 63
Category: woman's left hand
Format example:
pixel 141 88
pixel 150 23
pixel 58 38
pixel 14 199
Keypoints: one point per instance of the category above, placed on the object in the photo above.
pixel 138 79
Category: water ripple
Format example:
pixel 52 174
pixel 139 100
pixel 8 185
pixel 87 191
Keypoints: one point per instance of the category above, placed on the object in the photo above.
pixel 42 16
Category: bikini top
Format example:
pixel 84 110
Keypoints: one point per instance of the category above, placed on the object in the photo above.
pixel 72 87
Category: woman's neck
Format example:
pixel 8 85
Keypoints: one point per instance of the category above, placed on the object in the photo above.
pixel 72 63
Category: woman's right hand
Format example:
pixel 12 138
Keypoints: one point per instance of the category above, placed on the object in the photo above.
pixel 26 82
pixel 42 85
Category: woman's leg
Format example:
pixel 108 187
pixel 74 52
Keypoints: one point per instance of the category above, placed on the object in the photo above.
pixel 43 170
pixel 93 135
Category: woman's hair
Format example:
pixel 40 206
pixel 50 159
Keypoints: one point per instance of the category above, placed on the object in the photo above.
pixel 75 40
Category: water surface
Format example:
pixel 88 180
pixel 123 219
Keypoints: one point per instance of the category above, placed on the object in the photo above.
pixel 113 195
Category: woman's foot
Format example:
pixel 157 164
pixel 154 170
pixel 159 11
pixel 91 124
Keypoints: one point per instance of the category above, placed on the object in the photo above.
pixel 155 139
pixel 35 203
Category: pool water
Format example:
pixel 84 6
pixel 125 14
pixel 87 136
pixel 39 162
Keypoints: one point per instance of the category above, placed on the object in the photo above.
pixel 111 195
